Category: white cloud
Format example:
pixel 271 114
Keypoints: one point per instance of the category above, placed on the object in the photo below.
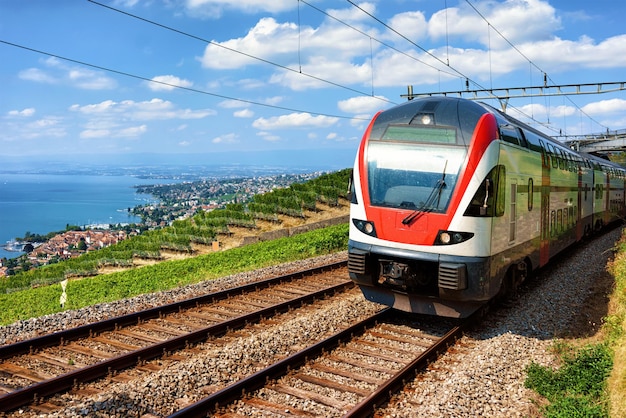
pixel 28 112
pixel 352 14
pixel 413 25
pixel 362 104
pixel 266 40
pixel 168 83
pixel 275 41
pixel 518 21
pixel 215 8
pixel 58 72
pixel 128 132
pixel 37 75
pixel 90 80
pixel 244 113
pixel 274 101
pixel 605 107
pixel 266 136
pixel 294 120
pixel 47 127
pixel 233 104
pixel 155 109
pixel 95 133
pixel 231 138
pixel 131 132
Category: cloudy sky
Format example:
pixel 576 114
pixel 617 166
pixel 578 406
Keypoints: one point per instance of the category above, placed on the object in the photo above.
pixel 205 76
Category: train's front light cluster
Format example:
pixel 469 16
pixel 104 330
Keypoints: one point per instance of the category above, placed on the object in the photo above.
pixel 451 237
pixel 367 227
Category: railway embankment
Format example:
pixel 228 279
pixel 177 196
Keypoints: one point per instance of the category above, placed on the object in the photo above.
pixel 567 305
pixel 616 332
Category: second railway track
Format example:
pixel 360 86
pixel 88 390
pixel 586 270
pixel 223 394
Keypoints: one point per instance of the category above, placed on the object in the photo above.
pixel 32 370
pixel 348 374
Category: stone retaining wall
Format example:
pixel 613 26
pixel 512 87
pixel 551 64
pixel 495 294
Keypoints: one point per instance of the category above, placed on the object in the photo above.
pixel 288 232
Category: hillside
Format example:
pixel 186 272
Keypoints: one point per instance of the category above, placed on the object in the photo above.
pixel 282 212
pixel 324 215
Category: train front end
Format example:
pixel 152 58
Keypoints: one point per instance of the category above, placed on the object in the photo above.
pixel 422 195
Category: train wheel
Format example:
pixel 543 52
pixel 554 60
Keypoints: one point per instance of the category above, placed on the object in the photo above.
pixel 515 276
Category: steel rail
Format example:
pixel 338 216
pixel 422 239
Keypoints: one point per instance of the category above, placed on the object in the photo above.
pixel 211 403
pixel 84 331
pixel 367 407
pixel 64 382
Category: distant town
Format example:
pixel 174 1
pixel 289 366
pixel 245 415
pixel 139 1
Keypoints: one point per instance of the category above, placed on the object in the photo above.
pixel 175 201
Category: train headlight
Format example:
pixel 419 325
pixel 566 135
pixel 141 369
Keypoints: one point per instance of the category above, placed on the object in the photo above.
pixel 366 227
pixel 451 237
pixel 424 119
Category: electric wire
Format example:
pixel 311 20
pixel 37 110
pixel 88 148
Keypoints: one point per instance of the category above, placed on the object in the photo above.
pixel 414 44
pixel 433 56
pixel 386 45
pixel 217 44
pixel 139 77
pixel 529 60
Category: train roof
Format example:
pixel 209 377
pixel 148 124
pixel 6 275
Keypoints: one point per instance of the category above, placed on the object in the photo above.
pixel 464 114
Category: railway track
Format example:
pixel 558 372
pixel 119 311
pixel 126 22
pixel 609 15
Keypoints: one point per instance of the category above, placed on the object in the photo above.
pixel 347 374
pixel 33 370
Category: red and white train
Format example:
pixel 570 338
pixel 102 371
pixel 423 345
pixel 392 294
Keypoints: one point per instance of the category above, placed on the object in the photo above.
pixel 454 203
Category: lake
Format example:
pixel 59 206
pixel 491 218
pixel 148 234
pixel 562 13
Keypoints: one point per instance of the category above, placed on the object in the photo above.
pixel 43 203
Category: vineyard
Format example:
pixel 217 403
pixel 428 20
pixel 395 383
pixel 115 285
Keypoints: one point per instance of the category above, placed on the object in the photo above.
pixel 183 237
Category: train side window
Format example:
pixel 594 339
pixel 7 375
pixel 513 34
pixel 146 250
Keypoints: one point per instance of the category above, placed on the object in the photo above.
pixel 522 138
pixel 489 199
pixel 553 156
pixel 545 158
pixel 509 134
pixel 559 221
pixel 553 223
pixel 562 161
pixel 586 190
pixel 531 196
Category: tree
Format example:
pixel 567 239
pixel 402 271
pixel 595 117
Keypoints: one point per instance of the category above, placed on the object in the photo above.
pixel 82 245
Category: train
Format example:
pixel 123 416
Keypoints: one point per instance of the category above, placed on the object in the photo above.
pixel 454 203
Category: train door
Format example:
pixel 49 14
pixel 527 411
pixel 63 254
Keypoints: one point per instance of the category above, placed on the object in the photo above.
pixel 513 213
pixel 544 246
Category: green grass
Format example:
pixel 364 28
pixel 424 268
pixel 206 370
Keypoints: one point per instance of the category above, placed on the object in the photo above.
pixel 592 379
pixel 35 302
pixel 578 388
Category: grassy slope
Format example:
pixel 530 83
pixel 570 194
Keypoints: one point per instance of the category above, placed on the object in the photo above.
pixel 170 274
pixel 616 335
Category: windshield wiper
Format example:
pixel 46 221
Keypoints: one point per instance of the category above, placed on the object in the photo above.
pixel 435 194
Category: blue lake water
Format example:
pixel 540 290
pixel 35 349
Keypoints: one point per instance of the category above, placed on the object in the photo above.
pixel 42 203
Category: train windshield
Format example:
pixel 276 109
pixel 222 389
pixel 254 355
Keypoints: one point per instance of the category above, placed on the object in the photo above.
pixel 409 175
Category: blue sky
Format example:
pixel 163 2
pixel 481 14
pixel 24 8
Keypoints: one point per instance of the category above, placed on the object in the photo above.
pixel 275 75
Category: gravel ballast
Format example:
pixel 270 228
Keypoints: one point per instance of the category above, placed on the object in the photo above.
pixel 483 375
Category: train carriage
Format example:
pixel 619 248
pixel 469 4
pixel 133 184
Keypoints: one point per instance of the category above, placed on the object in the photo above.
pixel 454 203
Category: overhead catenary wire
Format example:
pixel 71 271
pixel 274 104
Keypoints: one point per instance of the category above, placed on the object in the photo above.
pixel 386 45
pixel 139 77
pixel 459 73
pixel 533 64
pixel 219 45
pixel 447 64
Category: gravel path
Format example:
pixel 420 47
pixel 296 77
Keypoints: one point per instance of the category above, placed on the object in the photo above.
pixel 482 376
